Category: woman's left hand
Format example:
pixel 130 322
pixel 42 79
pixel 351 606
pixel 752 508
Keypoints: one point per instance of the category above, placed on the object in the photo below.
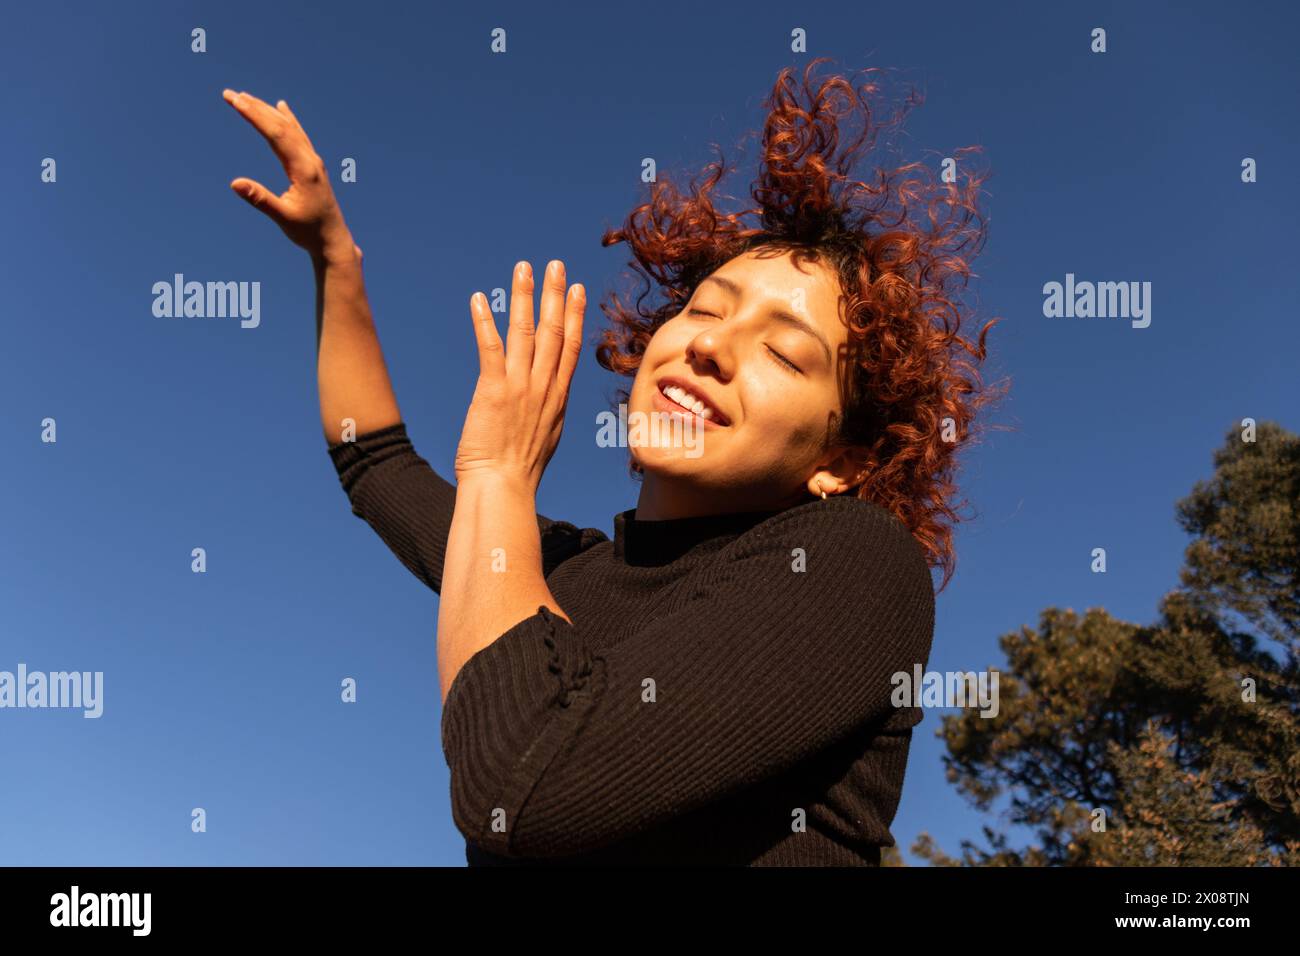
pixel 517 414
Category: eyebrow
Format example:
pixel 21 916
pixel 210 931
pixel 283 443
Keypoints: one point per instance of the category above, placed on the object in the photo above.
pixel 781 315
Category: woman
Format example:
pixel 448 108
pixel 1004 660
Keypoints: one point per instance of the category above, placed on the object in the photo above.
pixel 713 683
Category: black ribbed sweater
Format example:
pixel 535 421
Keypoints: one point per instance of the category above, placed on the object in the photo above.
pixel 722 696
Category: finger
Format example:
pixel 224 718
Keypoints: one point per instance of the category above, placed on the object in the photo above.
pixel 309 151
pixel 519 337
pixel 265 112
pixel 573 313
pixel 282 107
pixel 283 134
pixel 491 360
pixel 550 327
pixel 260 197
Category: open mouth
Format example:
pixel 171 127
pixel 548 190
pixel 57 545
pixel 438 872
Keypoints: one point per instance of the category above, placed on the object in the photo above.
pixel 678 396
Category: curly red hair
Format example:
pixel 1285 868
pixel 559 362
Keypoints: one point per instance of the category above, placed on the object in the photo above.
pixel 914 388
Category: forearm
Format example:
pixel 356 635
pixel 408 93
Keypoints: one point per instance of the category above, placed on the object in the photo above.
pixel 486 591
pixel 352 377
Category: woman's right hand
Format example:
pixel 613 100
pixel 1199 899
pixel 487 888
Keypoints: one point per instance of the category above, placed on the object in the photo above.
pixel 307 211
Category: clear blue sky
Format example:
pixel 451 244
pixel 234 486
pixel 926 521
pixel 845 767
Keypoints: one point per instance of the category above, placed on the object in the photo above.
pixel 222 689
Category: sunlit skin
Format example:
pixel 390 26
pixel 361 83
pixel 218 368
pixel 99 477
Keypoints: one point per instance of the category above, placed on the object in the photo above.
pixel 769 455
pixel 728 342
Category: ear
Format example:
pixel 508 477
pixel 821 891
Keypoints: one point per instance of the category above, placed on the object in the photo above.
pixel 835 475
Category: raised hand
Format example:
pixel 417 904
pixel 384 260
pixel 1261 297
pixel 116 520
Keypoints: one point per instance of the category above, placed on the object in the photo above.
pixel 307 211
pixel 517 413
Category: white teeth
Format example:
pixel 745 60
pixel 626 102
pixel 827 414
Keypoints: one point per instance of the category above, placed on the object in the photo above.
pixel 687 400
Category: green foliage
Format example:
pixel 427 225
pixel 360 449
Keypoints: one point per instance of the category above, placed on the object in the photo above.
pixel 1175 744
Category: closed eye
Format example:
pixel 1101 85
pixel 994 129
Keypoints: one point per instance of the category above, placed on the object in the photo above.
pixel 776 356
pixel 782 360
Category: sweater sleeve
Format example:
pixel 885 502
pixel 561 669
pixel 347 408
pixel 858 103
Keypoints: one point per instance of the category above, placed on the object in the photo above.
pixel 410 506
pixel 762 665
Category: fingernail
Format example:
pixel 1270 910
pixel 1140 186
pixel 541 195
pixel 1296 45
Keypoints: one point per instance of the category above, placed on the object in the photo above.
pixel 525 270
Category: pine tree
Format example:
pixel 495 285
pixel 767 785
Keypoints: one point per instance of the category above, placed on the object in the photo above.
pixel 1174 744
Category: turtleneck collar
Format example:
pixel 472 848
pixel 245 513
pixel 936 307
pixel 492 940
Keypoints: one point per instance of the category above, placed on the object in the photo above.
pixel 662 542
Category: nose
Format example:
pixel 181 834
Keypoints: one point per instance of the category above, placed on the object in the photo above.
pixel 709 353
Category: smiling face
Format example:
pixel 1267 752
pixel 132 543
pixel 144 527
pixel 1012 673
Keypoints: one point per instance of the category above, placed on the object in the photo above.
pixel 758 344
